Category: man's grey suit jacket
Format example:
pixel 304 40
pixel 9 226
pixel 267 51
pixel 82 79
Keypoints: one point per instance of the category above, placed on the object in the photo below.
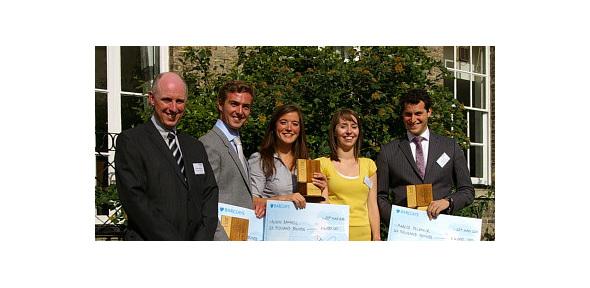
pixel 233 181
pixel 397 168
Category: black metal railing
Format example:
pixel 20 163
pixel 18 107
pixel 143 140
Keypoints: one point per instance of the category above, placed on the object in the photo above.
pixel 109 214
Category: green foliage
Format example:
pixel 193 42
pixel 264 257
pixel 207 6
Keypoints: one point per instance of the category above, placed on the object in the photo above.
pixel 108 198
pixel 203 84
pixel 479 206
pixel 320 81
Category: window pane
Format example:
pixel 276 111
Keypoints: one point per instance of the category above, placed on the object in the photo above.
pixel 131 109
pixel 138 65
pixel 479 59
pixel 450 84
pixel 100 67
pixel 463 92
pixel 476 126
pixel 100 121
pixel 476 161
pixel 448 57
pixel 463 58
pixel 479 92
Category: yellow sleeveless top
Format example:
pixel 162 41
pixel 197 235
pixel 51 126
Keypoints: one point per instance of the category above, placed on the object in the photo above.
pixel 352 191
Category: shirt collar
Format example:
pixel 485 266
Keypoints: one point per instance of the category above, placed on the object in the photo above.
pixel 229 133
pixel 425 135
pixel 160 127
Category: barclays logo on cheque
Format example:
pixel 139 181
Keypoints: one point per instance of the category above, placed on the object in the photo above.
pixel 273 205
pixel 230 210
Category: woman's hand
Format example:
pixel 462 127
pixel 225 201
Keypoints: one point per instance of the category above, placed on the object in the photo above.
pixel 297 199
pixel 320 181
pixel 259 206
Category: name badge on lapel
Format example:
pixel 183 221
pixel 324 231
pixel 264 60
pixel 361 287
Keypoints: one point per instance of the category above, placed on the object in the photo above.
pixel 443 159
pixel 199 168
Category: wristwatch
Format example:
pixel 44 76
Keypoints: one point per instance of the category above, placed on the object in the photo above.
pixel 451 205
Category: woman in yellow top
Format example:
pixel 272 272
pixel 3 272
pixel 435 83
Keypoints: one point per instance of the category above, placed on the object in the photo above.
pixel 352 180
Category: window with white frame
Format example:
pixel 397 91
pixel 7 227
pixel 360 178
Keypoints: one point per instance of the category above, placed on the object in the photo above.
pixel 120 73
pixel 471 86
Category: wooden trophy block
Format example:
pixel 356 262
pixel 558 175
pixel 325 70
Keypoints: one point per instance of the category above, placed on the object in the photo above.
pixel 308 189
pixel 411 196
pixel 236 228
pixel 419 195
pixel 423 194
pixel 305 170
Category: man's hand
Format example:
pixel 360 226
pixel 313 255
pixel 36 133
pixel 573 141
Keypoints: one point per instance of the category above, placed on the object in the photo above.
pixel 436 207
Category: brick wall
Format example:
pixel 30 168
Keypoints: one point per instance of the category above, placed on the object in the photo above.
pixel 435 52
pixel 226 56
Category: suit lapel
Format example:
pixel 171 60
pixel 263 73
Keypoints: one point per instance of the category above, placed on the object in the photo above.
pixel 155 137
pixel 234 155
pixel 404 146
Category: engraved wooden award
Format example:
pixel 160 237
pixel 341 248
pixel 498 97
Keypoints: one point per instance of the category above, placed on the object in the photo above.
pixel 235 228
pixel 419 196
pixel 305 170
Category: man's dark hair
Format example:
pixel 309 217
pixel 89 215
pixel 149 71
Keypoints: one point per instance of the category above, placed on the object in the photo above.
pixel 414 96
pixel 235 86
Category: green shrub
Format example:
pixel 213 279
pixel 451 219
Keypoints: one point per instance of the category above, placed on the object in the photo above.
pixel 320 81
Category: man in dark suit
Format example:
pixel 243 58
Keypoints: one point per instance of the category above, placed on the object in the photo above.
pixel 164 179
pixel 224 148
pixel 421 158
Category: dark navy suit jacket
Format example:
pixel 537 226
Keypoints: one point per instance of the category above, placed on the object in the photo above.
pixel 397 168
pixel 159 202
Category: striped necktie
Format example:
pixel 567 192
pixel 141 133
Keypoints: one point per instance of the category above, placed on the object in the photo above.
pixel 175 151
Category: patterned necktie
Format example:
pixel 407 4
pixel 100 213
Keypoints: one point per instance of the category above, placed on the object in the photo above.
pixel 419 155
pixel 175 151
pixel 238 144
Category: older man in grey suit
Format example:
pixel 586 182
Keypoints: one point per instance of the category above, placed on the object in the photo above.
pixel 224 147
pixel 420 158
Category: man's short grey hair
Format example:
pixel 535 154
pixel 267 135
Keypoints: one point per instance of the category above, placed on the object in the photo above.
pixel 156 82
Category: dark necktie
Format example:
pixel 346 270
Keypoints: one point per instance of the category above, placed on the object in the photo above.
pixel 175 151
pixel 419 155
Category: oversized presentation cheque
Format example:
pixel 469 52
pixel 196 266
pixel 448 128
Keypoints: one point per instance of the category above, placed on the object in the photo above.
pixel 316 222
pixel 255 225
pixel 411 224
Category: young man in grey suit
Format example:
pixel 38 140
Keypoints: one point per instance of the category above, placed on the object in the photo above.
pixel 420 158
pixel 224 148
pixel 164 180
